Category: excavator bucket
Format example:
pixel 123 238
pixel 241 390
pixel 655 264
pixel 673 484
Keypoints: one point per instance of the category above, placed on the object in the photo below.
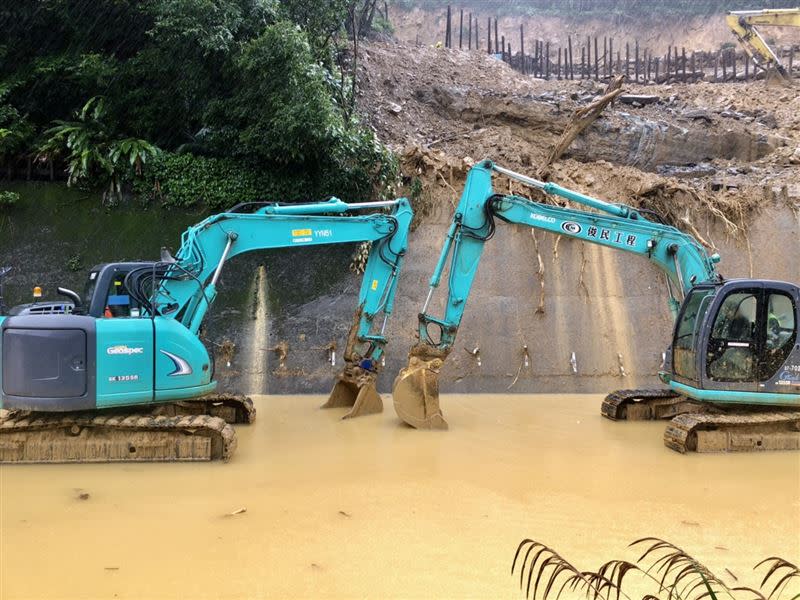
pixel 359 393
pixel 416 394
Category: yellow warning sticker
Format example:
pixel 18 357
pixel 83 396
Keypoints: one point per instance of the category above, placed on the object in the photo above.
pixel 374 284
pixel 298 232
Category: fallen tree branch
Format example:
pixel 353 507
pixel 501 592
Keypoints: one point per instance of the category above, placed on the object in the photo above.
pixel 580 120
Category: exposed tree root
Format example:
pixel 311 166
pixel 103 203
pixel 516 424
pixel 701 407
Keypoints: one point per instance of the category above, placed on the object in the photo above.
pixel 539 273
pixel 581 283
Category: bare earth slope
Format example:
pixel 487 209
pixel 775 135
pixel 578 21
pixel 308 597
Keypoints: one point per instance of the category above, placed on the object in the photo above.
pixel 720 139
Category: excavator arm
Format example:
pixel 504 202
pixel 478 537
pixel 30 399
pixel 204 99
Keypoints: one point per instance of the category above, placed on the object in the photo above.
pixel 744 24
pixel 679 256
pixel 187 282
pixel 185 286
pixel 177 292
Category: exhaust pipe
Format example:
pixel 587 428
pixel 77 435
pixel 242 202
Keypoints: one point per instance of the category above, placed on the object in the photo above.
pixel 76 299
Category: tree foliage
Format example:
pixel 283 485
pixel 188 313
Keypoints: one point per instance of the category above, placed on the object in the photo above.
pixel 15 130
pixel 287 119
pixel 100 84
pixel 91 151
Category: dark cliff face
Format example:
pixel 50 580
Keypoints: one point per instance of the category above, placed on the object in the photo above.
pixel 607 308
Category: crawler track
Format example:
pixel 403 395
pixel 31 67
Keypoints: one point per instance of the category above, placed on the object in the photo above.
pixel 646 405
pixel 230 408
pixel 112 437
pixel 742 431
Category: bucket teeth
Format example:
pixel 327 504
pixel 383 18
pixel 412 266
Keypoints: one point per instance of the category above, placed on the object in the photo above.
pixel 343 395
pixel 357 392
pixel 368 402
pixel 416 394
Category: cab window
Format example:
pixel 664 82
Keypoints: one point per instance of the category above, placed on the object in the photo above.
pixel 88 290
pixel 780 334
pixel 732 352
pixel 691 318
pixel 118 302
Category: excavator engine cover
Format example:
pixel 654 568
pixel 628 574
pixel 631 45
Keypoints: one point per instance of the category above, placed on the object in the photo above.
pixel 416 391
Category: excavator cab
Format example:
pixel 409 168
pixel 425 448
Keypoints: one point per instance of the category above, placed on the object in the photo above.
pixel 736 342
pixel 106 293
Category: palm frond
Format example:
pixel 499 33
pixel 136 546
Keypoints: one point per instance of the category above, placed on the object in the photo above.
pixel 549 567
pixel 678 575
pixel 678 568
pixel 758 595
pixel 778 563
pixel 615 570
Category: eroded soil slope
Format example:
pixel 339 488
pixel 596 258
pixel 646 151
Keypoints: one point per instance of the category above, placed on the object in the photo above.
pixel 728 148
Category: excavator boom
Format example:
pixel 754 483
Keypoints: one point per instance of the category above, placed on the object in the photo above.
pixel 208 245
pixel 683 260
pixel 744 24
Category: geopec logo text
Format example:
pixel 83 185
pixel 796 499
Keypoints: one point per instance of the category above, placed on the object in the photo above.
pixel 124 350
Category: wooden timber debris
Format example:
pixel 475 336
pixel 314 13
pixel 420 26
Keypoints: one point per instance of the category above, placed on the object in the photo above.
pixel 580 120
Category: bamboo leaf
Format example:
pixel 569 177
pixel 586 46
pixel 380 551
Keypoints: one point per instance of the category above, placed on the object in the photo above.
pixel 710 591
pixel 778 563
pixel 567 581
pixel 557 570
pixel 536 556
pixel 539 572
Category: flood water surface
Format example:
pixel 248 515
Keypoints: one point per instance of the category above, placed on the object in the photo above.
pixel 372 508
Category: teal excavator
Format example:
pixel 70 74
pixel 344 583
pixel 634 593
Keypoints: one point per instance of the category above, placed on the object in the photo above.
pixel 733 368
pixel 120 373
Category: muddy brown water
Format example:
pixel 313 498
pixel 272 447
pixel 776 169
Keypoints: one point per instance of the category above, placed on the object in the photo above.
pixel 371 508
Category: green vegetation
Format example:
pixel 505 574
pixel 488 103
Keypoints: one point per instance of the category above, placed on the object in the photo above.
pixel 75 263
pixel 8 199
pixel 210 102
pixel 91 152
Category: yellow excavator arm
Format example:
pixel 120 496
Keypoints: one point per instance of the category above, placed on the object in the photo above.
pixel 743 25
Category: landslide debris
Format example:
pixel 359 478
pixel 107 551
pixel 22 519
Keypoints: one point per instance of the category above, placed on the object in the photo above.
pixel 701 150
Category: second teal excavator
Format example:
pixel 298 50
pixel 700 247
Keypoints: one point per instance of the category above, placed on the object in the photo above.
pixel 733 367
